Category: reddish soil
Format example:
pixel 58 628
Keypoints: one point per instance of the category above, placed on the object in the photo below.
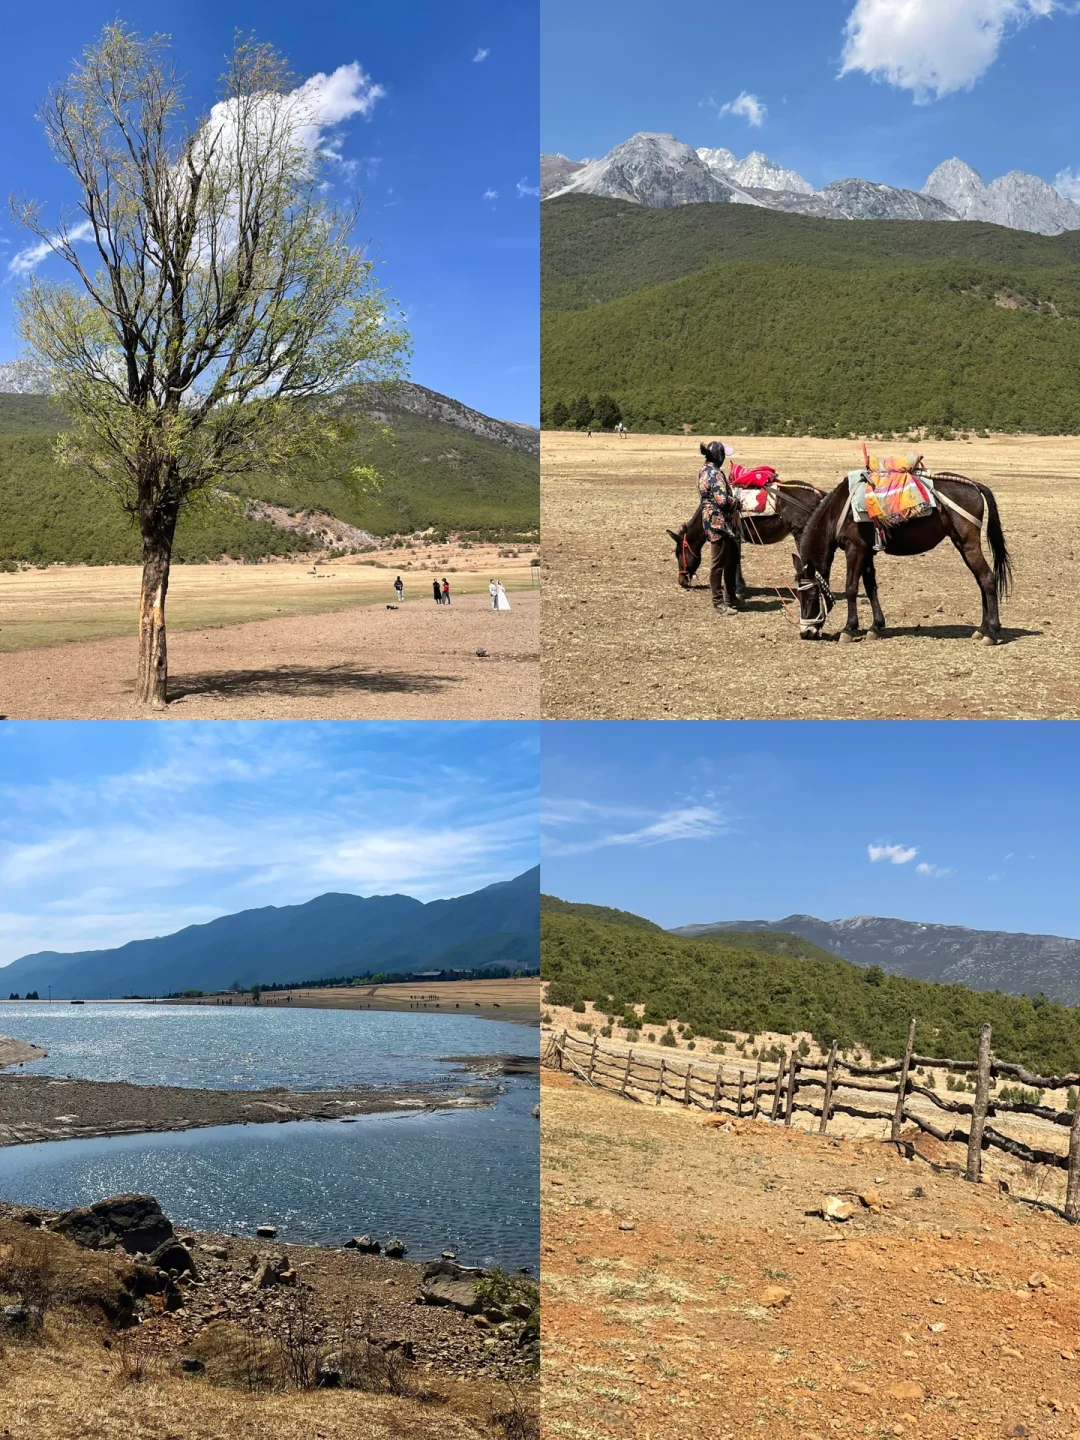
pixel 691 1287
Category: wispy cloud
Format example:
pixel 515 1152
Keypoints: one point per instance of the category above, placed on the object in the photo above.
pixel 490 195
pixel 936 872
pixel 481 55
pixel 613 828
pixel 25 261
pixel 894 854
pixel 523 188
pixel 1067 183
pixel 748 107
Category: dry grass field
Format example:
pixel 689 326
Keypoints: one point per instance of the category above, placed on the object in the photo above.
pixel 690 1287
pixel 621 640
pixel 276 642
pixel 516 1000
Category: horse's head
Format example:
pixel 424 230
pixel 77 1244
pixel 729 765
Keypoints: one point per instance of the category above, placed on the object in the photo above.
pixel 815 597
pixel 688 558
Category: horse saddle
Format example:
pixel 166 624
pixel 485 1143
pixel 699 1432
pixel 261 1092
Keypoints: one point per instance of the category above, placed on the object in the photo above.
pixel 760 500
pixel 891 491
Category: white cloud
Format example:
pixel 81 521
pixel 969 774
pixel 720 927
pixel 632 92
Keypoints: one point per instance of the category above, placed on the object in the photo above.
pixel 23 262
pixel 935 871
pixel 523 189
pixel 691 822
pixel 933 47
pixel 749 107
pixel 480 56
pixel 895 854
pixel 491 195
pixel 1067 183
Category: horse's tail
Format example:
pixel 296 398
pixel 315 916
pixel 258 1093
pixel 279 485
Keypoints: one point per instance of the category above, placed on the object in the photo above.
pixel 998 548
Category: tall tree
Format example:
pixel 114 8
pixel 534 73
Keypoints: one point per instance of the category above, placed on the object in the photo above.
pixel 225 303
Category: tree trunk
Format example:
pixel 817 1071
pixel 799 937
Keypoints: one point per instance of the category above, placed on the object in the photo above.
pixel 158 530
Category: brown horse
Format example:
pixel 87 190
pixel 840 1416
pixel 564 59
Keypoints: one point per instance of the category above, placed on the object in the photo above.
pixel 962 506
pixel 796 501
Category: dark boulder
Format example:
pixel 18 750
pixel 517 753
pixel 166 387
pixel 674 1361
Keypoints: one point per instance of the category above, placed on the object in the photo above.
pixel 134 1222
pixel 174 1258
pixel 364 1243
pixel 446 1283
pixel 395 1249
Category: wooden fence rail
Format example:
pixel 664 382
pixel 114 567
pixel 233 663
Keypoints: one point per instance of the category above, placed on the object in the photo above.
pixel 810 1086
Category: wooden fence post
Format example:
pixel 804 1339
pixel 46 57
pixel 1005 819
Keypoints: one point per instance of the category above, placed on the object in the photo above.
pixel 789 1105
pixel 982 1099
pixel 717 1087
pixel 1072 1192
pixel 626 1072
pixel 826 1104
pixel 757 1091
pixel 742 1082
pixel 689 1077
pixel 592 1057
pixel 778 1086
pixel 898 1113
pixel 562 1047
pixel 660 1082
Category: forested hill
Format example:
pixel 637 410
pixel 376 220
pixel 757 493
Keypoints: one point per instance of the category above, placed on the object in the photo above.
pixel 555 906
pixel 715 987
pixel 441 466
pixel 729 318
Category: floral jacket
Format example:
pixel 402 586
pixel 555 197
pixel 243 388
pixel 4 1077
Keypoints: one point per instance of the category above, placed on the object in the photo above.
pixel 718 504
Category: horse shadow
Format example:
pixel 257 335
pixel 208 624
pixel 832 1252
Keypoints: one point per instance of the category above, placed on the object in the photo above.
pixel 952 632
pixel 299 681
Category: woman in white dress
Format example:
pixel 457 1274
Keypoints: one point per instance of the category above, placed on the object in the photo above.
pixel 501 602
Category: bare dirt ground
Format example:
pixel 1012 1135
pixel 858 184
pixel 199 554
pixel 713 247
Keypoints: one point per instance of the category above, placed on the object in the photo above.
pixel 418 662
pixel 515 1000
pixel 690 1288
pixel 621 640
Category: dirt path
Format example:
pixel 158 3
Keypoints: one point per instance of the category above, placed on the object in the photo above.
pixel 621 640
pixel 418 662
pixel 688 1290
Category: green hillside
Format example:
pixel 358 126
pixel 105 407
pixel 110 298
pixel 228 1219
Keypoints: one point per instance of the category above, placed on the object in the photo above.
pixel 715 986
pixel 731 319
pixel 433 475
pixel 554 906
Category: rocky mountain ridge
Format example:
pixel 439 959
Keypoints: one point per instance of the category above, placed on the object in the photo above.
pixel 1016 963
pixel 659 171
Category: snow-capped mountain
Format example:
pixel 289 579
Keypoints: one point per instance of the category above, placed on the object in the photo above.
pixel 659 171
pixel 756 172
pixel 1022 202
pixel 23 377
pixel 654 170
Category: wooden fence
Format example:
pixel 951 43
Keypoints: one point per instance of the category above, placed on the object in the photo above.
pixel 810 1086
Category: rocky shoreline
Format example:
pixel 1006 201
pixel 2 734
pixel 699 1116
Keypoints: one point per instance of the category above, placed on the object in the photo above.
pixel 44 1107
pixel 197 1296
pixel 18 1052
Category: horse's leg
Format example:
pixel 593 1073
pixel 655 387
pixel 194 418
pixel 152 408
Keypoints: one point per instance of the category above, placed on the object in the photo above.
pixel 870 580
pixel 969 545
pixel 855 554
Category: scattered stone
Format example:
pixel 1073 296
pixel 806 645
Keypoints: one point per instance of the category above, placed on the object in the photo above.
pixel 395 1249
pixel 1038 1281
pixel 834 1208
pixel 626 1225
pixel 446 1283
pixel 364 1243
pixel 219 1252
pixel 174 1258
pixel 906 1390
pixel 773 1297
pixel 134 1222
pixel 266 1232
pixel 872 1200
pixel 191 1365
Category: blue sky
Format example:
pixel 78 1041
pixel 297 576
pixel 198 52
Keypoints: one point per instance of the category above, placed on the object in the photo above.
pixel 992 81
pixel 970 823
pixel 249 815
pixel 457 121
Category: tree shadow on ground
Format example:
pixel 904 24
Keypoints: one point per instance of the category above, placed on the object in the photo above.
pixel 304 680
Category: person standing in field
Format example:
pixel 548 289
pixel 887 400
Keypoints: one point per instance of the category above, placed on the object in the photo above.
pixel 493 591
pixel 501 602
pixel 436 591
pixel 445 591
pixel 399 590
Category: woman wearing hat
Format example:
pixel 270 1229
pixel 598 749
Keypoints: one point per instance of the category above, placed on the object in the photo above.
pixel 719 514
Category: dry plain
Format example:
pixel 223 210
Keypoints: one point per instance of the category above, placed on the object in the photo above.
pixel 690 1287
pixel 621 640
pixel 296 640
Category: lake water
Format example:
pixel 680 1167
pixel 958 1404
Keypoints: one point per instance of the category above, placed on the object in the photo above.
pixel 462 1178
pixel 246 1048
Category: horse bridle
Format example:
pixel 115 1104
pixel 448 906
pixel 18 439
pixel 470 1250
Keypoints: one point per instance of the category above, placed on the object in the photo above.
pixel 820 586
pixel 687 550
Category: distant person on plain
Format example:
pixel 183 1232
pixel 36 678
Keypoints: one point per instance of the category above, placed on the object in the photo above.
pixel 436 590
pixel 399 589
pixel 445 591
pixel 493 591
pixel 501 602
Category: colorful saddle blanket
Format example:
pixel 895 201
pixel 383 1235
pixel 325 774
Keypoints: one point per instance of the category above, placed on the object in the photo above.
pixel 890 490
pixel 757 478
pixel 753 489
